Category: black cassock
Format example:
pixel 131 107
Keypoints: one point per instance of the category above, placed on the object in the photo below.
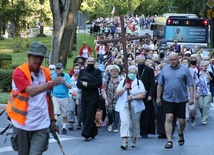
pixel 89 99
pixel 147 120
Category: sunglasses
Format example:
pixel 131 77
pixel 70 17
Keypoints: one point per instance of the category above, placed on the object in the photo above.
pixel 58 68
pixel 188 55
pixel 51 68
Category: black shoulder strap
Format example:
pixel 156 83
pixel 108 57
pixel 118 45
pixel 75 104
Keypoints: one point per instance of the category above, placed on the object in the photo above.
pixel 124 82
pixel 108 80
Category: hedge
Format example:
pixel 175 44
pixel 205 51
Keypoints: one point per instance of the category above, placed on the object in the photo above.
pixel 5 61
pixel 6 80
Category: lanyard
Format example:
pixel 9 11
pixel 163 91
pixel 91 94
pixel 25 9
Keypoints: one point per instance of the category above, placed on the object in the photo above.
pixel 142 73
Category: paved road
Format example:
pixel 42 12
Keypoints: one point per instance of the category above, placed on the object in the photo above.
pixel 198 141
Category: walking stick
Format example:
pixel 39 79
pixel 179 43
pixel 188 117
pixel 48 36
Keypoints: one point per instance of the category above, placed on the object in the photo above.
pixel 56 136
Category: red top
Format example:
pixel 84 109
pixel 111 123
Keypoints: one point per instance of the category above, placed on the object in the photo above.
pixel 81 50
pixel 20 80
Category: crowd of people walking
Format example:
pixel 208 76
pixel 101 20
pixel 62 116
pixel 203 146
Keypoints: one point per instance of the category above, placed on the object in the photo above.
pixel 164 87
pixel 170 88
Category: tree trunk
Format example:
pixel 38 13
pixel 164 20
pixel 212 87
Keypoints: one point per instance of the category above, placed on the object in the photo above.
pixel 63 29
pixel 66 40
pixel 59 23
pixel 41 30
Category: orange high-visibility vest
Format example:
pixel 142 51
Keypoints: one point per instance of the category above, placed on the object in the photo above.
pixel 18 102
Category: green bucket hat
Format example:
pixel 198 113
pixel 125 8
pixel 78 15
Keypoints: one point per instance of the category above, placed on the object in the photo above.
pixel 37 48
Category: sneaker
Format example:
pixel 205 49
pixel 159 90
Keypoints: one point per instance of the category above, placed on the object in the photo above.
pixel 133 142
pixel 204 123
pixel 71 127
pixel 193 121
pixel 161 136
pixel 64 131
pixel 103 124
pixel 110 128
pixel 115 131
pixel 124 146
pixel 79 127
pixel 88 139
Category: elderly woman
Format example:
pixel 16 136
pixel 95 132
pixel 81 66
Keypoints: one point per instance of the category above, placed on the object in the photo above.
pixel 203 90
pixel 130 115
pixel 110 87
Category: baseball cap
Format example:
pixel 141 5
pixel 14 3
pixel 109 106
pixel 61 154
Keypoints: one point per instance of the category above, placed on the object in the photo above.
pixel 59 65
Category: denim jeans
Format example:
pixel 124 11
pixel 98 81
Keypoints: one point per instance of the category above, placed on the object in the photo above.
pixel 113 117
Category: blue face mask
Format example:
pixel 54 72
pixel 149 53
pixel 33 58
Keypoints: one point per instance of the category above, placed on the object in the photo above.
pixel 132 76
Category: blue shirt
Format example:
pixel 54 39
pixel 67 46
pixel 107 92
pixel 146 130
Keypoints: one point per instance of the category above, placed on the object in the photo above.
pixel 61 91
pixel 175 82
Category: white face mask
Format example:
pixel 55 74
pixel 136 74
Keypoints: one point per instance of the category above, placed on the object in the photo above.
pixel 76 71
pixel 155 55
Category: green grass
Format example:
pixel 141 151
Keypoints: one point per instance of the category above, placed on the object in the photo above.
pixel 18 58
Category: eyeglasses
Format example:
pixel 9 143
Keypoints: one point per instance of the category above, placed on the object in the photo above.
pixel 206 59
pixel 51 68
pixel 58 68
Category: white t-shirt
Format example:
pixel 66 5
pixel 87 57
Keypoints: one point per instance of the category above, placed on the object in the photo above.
pixel 85 53
pixel 102 49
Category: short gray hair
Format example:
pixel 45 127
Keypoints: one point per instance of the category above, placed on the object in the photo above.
pixel 114 67
pixel 133 67
pixel 204 63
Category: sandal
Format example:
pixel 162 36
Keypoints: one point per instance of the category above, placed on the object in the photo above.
pixel 169 145
pixel 181 141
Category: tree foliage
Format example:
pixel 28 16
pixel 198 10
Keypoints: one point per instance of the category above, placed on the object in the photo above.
pixel 61 13
pixel 100 8
pixel 16 13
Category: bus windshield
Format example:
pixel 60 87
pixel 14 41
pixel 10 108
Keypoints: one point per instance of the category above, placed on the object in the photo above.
pixel 187 30
pixel 184 28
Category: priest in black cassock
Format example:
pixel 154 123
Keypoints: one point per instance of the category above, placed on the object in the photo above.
pixel 89 80
pixel 146 75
